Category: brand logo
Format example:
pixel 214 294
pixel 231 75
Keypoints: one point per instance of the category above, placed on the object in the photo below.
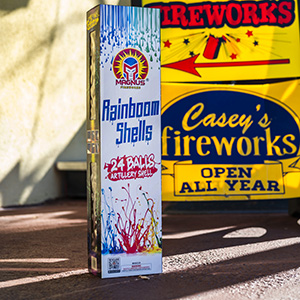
pixel 130 68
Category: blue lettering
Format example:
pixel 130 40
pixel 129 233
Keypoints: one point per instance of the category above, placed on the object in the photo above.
pixel 147 109
pixel 155 108
pixel 231 184
pixel 149 133
pixel 129 110
pixel 120 130
pixel 139 109
pixel 186 188
pixel 105 111
pixel 134 134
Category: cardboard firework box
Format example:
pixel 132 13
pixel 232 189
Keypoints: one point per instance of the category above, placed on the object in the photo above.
pixel 123 141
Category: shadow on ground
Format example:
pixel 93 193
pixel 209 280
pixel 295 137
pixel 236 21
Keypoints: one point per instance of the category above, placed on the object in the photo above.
pixel 206 256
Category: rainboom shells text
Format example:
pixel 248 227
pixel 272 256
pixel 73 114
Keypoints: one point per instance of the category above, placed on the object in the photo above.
pixel 131 110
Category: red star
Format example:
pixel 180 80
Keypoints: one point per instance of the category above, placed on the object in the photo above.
pixel 167 44
pixel 238 40
pixel 233 56
pixel 249 33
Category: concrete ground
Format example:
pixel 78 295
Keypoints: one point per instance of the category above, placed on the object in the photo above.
pixel 43 255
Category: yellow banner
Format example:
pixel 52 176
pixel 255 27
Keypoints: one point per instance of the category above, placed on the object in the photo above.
pixel 228 40
pixel 222 142
pixel 222 180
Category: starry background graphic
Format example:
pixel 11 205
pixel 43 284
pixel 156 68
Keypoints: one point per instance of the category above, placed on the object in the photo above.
pixel 236 46
pixel 229 45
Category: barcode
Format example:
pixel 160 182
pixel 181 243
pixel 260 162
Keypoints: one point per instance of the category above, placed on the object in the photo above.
pixel 114 265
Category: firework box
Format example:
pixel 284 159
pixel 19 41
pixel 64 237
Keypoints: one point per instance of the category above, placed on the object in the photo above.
pixel 123 141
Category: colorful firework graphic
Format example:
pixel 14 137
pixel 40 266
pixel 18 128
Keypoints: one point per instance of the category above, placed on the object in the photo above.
pixel 219 50
pixel 132 224
pixel 123 27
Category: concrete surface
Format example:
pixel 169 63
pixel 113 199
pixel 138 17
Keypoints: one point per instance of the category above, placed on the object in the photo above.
pixel 43 255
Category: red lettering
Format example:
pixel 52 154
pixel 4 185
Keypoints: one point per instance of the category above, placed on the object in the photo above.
pixel 238 13
pixel 267 15
pixel 286 12
pixel 178 15
pixel 215 18
pixel 195 18
pixel 250 16
pixel 165 19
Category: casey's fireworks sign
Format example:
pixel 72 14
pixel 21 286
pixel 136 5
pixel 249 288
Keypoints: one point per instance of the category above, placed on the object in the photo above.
pixel 222 142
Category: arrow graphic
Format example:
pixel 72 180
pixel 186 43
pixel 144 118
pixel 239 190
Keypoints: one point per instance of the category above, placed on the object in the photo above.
pixel 189 65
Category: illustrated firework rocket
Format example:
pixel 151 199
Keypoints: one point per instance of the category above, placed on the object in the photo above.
pixel 212 47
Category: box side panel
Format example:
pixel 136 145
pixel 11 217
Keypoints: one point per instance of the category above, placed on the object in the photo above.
pixel 93 141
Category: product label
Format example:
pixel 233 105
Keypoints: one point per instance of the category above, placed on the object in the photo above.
pixel 130 110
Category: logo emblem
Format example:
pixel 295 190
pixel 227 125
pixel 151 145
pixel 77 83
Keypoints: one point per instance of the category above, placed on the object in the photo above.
pixel 130 67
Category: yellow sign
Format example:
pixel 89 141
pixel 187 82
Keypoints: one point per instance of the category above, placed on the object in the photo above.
pixel 228 40
pixel 222 142
pixel 222 180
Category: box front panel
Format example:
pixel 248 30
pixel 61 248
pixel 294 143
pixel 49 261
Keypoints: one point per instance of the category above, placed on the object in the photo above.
pixel 130 141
